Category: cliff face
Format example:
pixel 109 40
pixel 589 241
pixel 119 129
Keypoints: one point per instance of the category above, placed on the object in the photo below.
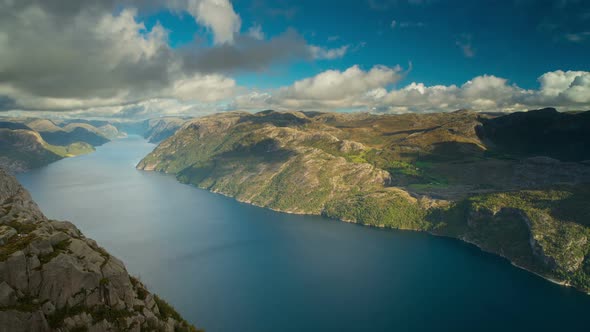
pixel 53 278
pixel 429 172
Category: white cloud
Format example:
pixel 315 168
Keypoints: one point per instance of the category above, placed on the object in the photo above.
pixel 256 32
pixel 99 60
pixel 335 84
pixel 367 90
pixel 331 89
pixel 566 87
pixel 83 54
pixel 206 88
pixel 321 53
pixel 218 15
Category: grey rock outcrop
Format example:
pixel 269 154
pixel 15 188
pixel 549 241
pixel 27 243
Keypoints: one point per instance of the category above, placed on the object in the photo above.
pixel 53 278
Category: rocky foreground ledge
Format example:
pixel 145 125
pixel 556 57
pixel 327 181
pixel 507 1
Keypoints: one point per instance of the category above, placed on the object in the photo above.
pixel 53 278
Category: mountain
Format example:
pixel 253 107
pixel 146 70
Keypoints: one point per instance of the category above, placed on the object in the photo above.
pixel 438 172
pixel 110 132
pixel 104 128
pixel 69 133
pixel 28 143
pixel 53 278
pixel 162 128
pixel 154 130
pixel 22 148
pixel 545 132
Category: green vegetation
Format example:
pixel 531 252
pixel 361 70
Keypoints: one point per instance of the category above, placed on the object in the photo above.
pixel 167 311
pixel 24 304
pixel 22 227
pixel 74 149
pixel 386 209
pixel 58 248
pixel 16 243
pixel 139 288
pixel 505 222
pixel 56 319
pixel 98 313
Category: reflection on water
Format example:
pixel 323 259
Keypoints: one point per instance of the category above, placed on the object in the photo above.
pixel 228 266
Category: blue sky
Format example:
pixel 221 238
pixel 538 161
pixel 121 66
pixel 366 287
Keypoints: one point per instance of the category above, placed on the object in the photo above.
pixel 146 58
pixel 517 40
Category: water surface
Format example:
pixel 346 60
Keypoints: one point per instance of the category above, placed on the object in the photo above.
pixel 228 266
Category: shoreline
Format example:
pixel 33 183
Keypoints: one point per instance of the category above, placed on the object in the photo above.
pixel 547 278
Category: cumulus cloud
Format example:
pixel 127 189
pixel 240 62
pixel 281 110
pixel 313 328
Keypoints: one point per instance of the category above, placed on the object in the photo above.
pixel 94 58
pixel 568 90
pixel 72 54
pixel 79 54
pixel 331 89
pixel 218 15
pixel 565 87
pixel 367 90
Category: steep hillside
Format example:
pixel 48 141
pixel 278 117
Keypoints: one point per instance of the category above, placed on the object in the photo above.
pixel 25 149
pixel 104 128
pixel 154 130
pixel 70 133
pixel 431 172
pixel 53 278
pixel 75 133
pixel 22 149
pixel 42 125
pixel 13 125
pixel 162 128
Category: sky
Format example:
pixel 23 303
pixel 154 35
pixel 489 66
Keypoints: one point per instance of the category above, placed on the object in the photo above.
pixel 149 58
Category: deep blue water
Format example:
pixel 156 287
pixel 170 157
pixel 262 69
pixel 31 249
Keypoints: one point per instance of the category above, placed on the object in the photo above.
pixel 228 266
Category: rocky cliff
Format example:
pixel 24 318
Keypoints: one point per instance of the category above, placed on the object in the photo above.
pixel 53 278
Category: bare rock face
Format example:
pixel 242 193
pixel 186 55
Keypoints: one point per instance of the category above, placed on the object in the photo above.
pixel 53 278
